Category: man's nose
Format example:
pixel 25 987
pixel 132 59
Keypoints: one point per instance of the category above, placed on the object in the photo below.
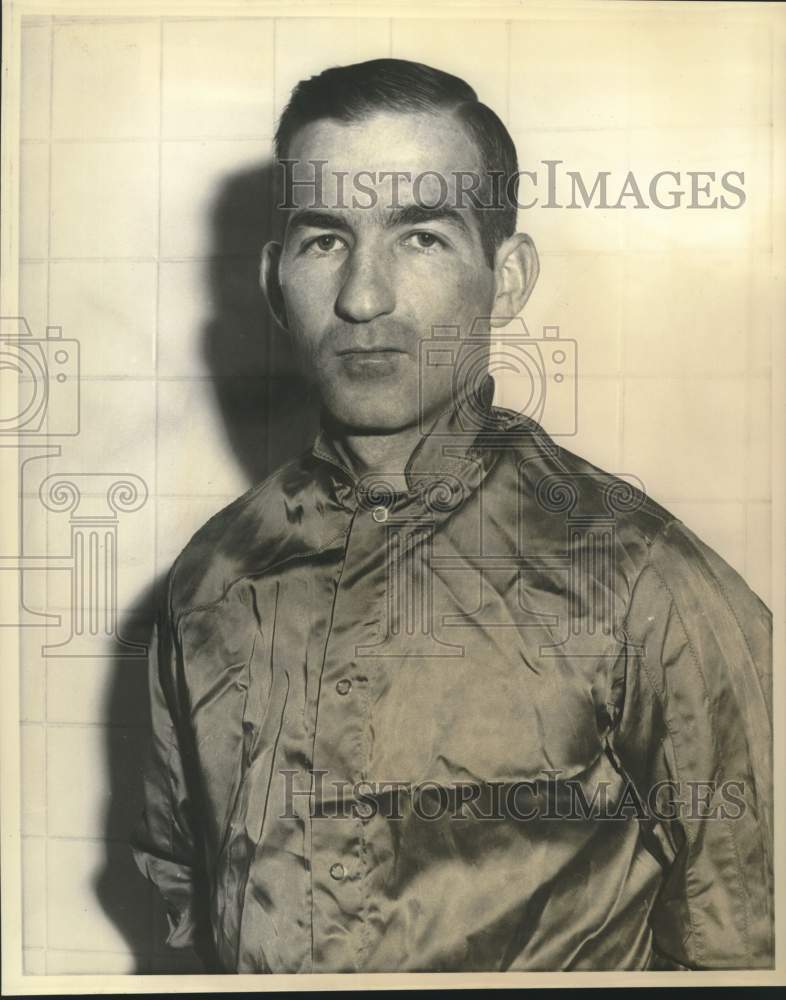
pixel 367 290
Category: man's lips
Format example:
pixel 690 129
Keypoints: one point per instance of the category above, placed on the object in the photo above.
pixel 369 350
pixel 370 362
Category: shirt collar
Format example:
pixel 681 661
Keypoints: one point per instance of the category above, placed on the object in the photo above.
pixel 446 465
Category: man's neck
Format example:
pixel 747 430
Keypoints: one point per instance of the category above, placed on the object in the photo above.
pixel 382 455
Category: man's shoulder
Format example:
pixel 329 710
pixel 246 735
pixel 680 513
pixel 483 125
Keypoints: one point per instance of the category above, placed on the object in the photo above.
pixel 250 533
pixel 564 487
pixel 694 576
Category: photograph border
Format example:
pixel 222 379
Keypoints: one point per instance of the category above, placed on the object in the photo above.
pixel 13 979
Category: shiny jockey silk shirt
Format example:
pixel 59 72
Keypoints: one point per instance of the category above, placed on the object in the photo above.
pixel 516 717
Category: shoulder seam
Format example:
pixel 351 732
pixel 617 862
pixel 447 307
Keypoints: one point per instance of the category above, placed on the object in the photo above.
pixel 649 564
pixel 659 694
pixel 697 664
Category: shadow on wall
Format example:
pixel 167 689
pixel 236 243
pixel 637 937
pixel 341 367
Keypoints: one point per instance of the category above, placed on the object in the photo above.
pixel 269 415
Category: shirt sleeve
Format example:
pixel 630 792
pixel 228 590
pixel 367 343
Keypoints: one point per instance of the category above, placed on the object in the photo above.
pixel 695 723
pixel 164 842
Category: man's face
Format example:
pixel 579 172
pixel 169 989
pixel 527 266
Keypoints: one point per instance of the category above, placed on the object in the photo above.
pixel 363 286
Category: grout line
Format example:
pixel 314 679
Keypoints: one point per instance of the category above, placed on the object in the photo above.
pixel 748 438
pixel 508 52
pixel 98 140
pixel 274 40
pixel 681 376
pixel 219 497
pixel 268 348
pixel 174 496
pixel 86 839
pixel 151 259
pixel 49 178
pixel 273 78
pixel 23 723
pixel 100 20
pixel 622 317
pixel 566 254
pixel 91 951
pixel 517 132
pixel 622 354
pixel 61 724
pixel 156 360
pixel 621 423
pixel 45 670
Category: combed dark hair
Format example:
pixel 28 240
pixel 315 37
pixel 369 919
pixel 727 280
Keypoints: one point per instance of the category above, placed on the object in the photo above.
pixel 352 93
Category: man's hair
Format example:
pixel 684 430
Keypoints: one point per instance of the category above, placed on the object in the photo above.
pixel 353 93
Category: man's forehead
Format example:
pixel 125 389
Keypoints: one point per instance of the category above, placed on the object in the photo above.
pixel 409 145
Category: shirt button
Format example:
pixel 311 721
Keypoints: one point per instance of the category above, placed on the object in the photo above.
pixel 344 686
pixel 380 514
pixel 337 871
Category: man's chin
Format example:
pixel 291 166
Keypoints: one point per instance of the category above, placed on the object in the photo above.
pixel 372 417
pixel 378 422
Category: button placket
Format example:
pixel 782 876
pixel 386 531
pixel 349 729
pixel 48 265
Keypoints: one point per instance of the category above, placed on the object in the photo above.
pixel 340 747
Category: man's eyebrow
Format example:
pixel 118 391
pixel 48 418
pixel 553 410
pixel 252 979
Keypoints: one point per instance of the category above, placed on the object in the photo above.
pixel 304 217
pixel 407 215
pixel 414 215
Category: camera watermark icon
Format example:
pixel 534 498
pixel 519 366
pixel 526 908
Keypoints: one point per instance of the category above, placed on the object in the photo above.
pixel 94 502
pixel 47 371
pixel 534 377
pixel 40 401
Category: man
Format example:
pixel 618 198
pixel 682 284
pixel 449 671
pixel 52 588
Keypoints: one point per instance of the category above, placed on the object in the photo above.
pixel 439 695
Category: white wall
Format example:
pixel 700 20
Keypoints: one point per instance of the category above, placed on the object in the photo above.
pixel 142 208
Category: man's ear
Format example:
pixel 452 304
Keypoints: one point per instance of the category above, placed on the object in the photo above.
pixel 268 279
pixel 516 269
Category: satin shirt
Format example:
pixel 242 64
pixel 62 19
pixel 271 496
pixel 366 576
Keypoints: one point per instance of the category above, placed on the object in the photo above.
pixel 376 715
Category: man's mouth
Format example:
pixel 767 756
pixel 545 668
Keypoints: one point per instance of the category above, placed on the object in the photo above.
pixel 368 351
pixel 370 361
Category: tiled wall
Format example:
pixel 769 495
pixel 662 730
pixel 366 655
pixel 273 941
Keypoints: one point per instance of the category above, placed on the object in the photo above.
pixel 144 204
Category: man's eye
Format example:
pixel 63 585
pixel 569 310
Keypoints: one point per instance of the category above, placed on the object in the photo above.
pixel 325 243
pixel 424 241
